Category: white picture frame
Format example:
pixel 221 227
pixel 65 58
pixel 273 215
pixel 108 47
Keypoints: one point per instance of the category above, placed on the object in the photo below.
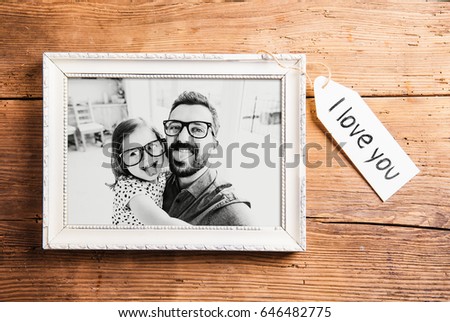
pixel 59 233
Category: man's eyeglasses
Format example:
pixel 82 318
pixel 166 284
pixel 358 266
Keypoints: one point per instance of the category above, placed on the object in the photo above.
pixel 196 129
pixel 133 156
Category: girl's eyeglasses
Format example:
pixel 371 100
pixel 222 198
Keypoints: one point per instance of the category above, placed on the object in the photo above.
pixel 133 156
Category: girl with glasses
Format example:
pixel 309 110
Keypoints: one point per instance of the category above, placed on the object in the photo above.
pixel 139 165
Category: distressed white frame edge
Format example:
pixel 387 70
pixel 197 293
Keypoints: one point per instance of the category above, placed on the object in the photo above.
pixel 58 236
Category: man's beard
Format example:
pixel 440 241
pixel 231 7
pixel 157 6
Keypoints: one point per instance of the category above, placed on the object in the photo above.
pixel 187 167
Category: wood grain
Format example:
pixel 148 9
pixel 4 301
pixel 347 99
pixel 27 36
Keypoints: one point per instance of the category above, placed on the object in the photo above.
pixel 390 49
pixel 343 262
pixel 338 193
pixel 358 248
pixel 21 159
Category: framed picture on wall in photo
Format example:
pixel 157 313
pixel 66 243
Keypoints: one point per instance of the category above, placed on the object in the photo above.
pixel 174 151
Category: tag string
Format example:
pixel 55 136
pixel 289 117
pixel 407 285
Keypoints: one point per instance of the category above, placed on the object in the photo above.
pixel 298 69
pixel 328 70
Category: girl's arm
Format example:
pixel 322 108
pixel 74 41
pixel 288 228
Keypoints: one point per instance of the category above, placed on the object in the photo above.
pixel 146 210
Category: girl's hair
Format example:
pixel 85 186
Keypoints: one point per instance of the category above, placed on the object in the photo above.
pixel 121 132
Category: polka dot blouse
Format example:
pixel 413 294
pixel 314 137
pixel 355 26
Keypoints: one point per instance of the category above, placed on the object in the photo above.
pixel 128 187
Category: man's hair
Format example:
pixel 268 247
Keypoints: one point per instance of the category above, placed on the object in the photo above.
pixel 194 98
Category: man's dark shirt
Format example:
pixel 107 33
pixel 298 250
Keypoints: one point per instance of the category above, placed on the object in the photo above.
pixel 207 201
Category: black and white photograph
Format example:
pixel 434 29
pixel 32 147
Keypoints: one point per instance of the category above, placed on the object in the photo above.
pixel 174 151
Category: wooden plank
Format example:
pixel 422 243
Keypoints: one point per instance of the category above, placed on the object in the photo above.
pixel 340 194
pixel 343 262
pixel 336 194
pixel 396 49
pixel 20 159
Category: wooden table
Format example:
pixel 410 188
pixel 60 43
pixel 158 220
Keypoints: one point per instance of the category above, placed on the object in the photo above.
pixel 397 56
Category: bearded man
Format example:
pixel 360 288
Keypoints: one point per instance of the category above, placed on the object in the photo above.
pixel 194 192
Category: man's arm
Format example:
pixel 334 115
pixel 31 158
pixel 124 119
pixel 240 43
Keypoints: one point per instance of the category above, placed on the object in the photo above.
pixel 234 214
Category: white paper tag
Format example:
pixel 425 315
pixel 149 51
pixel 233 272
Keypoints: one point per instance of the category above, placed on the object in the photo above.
pixel 368 144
